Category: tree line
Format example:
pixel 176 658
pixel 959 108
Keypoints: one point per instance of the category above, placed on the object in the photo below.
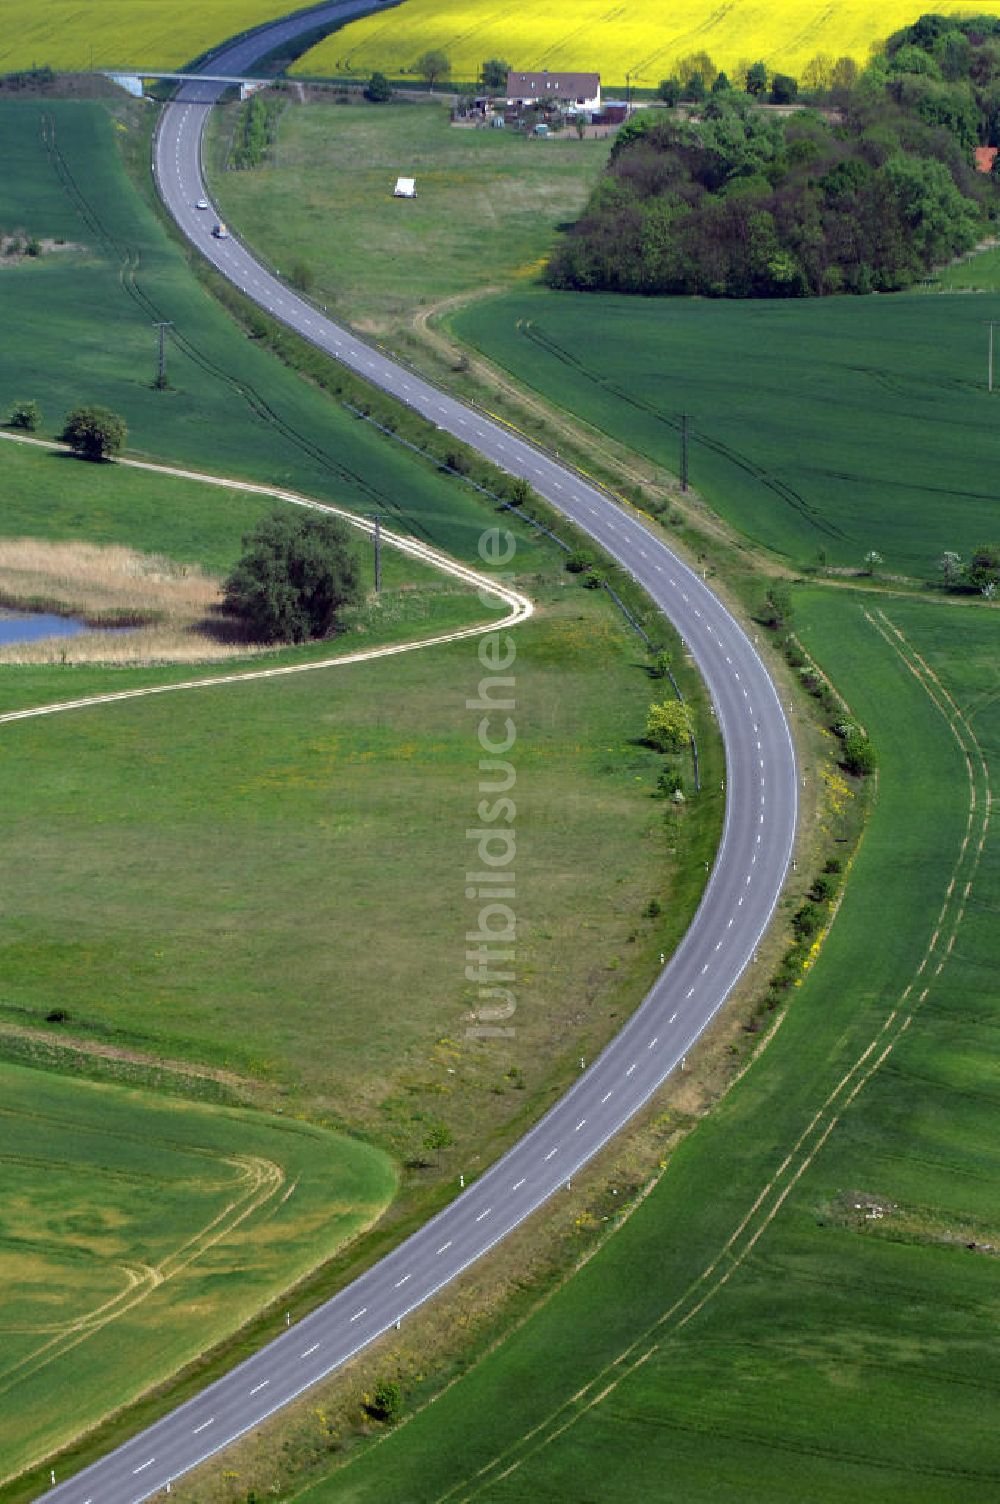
pixel 736 201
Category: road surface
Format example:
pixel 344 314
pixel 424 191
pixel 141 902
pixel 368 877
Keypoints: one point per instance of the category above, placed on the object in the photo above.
pixel 743 889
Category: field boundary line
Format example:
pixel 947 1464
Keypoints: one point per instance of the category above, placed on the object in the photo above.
pixel 838 1100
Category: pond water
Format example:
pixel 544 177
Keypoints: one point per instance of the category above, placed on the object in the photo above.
pixel 18 626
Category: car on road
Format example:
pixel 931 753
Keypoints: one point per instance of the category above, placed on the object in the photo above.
pixel 220 232
pixel 202 203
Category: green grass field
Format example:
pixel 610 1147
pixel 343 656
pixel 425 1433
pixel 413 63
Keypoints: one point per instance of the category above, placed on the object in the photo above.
pixel 203 875
pixel 820 430
pixel 77 327
pixel 223 910
pixel 488 203
pixel 797 1347
pixel 138 1230
pixel 977 273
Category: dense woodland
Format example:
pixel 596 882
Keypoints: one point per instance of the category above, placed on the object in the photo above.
pixel 865 190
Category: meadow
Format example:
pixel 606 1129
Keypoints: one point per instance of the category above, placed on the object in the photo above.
pixel 802 1307
pixel 488 204
pixel 642 44
pixel 78 328
pixel 255 881
pixel 820 429
pixel 137 1230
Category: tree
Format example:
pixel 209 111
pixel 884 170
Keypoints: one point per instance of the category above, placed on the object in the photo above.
pixel 434 64
pixel 784 89
pixel 494 73
pixel 777 611
pixel 756 78
pixel 669 726
pixel 859 754
pixel 952 567
pixel 872 560
pixel 26 415
pixel 984 568
pixel 844 74
pixel 95 433
pixel 694 89
pixel 385 1401
pixel 378 89
pixel 296 575
pixel 721 85
pixel 696 62
pixel 660 664
pixel 438 1136
pixel 669 91
pixel 818 72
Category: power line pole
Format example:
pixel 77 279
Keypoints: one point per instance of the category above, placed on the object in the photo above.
pixel 684 451
pixel 161 328
pixel 378 554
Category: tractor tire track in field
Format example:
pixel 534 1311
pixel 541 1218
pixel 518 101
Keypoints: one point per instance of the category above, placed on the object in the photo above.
pixel 734 457
pixel 257 1182
pixel 128 269
pixel 747 1234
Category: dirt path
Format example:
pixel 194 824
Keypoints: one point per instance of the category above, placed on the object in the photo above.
pixel 519 605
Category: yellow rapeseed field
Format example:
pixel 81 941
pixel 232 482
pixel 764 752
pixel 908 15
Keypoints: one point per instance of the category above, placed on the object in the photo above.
pixel 80 34
pixel 642 39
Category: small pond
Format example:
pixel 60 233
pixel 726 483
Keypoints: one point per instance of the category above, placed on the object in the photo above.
pixel 21 626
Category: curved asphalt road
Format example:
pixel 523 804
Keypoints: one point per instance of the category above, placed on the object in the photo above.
pixel 753 857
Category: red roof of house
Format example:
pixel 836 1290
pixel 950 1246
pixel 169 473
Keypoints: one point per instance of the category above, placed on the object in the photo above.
pixel 985 156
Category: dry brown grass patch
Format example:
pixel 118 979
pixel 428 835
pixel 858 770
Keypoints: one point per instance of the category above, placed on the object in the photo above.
pixel 173 611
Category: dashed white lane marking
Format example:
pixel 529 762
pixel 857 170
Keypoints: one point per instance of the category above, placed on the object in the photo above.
pixel 552 1151
pixel 358 1314
pixel 704 968
pixel 579 1125
pixel 748 879
pixel 690 992
pixel 404 1279
pixel 671 1018
pixel 739 901
pixel 729 925
pixel 478 1219
pixel 258 1387
pixel 143 1466
pixel 204 1426
pixel 557 484
pixel 630 1069
pixel 309 1351
pixel 444 1247
pixel 607 1094
pixel 652 1043
pixel 518 1184
pixel 718 944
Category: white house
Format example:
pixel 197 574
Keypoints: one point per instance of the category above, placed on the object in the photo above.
pixel 572 91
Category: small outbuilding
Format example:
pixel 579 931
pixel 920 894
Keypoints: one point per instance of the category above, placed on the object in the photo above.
pixel 405 188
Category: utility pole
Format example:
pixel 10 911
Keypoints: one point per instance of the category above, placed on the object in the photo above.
pixel 628 96
pixel 378 554
pixel 161 328
pixel 684 451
